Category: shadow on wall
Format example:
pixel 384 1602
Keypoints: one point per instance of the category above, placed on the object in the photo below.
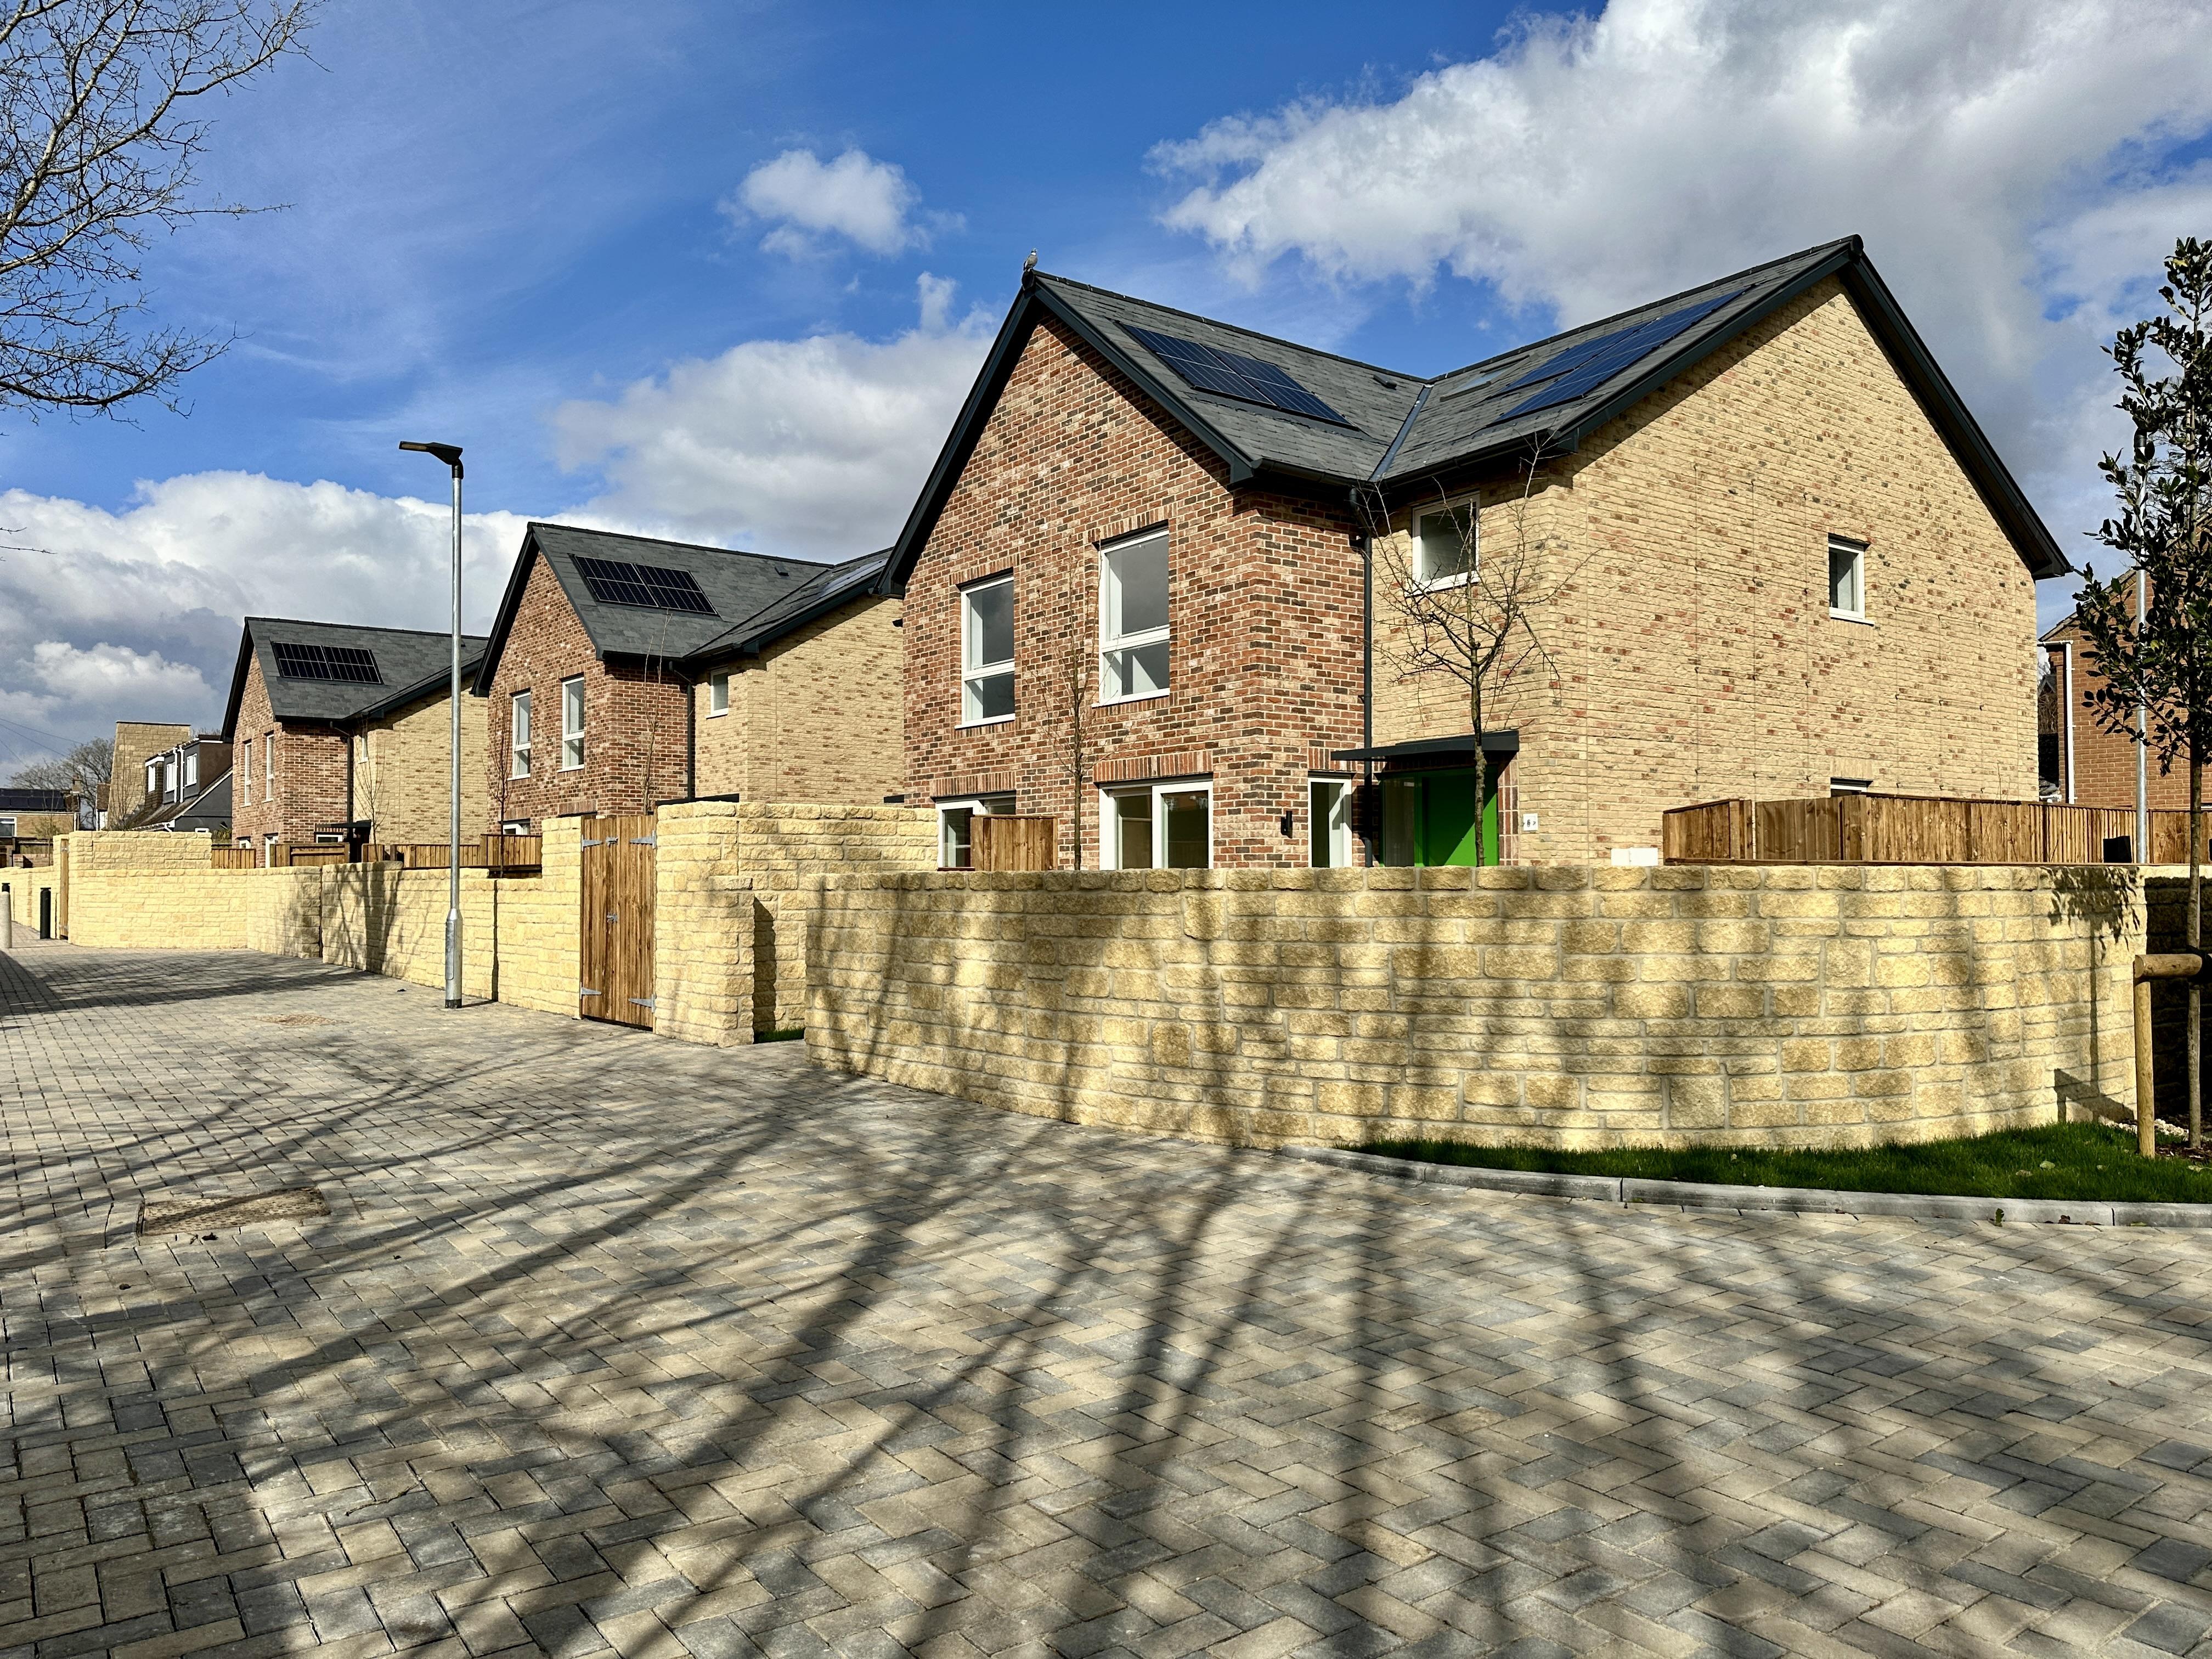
pixel 1805 1005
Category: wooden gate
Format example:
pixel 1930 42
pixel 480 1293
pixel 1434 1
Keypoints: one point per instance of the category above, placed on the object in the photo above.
pixel 615 960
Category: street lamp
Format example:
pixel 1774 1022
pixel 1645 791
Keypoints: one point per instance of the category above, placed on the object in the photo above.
pixel 451 455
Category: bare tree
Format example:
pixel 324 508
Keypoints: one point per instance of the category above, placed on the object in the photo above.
pixel 1468 612
pixel 79 772
pixel 100 130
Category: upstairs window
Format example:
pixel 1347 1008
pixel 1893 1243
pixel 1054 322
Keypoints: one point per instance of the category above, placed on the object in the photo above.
pixel 1132 619
pixel 1846 579
pixel 246 769
pixel 519 736
pixel 987 652
pixel 718 694
pixel 192 768
pixel 1445 544
pixel 268 767
pixel 572 723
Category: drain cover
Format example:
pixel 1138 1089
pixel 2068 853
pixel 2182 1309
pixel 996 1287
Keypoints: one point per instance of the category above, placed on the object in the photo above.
pixel 204 1213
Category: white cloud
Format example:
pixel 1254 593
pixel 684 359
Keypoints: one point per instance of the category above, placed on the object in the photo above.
pixel 2003 162
pixel 867 202
pixel 815 447
pixel 134 614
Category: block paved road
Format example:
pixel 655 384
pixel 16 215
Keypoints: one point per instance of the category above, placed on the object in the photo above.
pixel 611 1342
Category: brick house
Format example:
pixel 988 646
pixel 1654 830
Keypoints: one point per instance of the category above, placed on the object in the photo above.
pixel 1785 560
pixel 188 786
pixel 2085 765
pixel 623 672
pixel 340 731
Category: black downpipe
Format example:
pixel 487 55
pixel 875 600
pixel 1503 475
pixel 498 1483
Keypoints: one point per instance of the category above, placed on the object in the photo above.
pixel 1367 693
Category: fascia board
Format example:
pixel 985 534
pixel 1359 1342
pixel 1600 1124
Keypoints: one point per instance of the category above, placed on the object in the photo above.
pixel 1681 363
pixel 238 681
pixel 509 602
pixel 2000 491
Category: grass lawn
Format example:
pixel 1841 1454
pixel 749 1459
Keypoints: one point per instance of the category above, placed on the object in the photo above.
pixel 2085 1161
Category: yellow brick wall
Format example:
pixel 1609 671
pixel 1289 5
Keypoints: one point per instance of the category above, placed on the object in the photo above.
pixel 1807 1006
pixel 136 742
pixel 702 957
pixel 816 717
pixel 402 771
pixel 781 849
pixel 23 888
pixel 1694 652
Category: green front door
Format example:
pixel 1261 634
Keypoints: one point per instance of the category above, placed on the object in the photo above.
pixel 1445 829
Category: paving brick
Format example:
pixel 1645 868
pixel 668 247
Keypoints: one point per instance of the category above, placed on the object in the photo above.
pixel 616 1345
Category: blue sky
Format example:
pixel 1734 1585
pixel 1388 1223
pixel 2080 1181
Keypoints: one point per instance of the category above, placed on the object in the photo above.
pixel 725 271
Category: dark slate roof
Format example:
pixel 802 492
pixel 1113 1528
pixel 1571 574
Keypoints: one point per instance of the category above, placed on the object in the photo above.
pixel 1401 428
pixel 210 809
pixel 410 661
pixel 737 584
pixel 836 585
pixel 33 800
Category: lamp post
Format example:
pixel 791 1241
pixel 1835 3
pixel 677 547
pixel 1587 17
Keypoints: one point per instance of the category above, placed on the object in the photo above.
pixel 451 455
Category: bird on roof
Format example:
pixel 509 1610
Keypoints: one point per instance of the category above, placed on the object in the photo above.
pixel 1030 263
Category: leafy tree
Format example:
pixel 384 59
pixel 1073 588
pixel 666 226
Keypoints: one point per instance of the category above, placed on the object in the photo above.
pixel 99 132
pixel 2162 661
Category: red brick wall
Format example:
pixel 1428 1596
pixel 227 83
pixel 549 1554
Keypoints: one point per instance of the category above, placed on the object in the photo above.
pixel 313 772
pixel 2104 762
pixel 1263 608
pixel 635 733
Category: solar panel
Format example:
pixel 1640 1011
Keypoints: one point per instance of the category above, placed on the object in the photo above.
pixel 1232 374
pixel 649 586
pixel 1589 364
pixel 326 662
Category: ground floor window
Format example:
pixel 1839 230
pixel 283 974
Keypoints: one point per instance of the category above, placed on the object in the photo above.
pixel 1160 826
pixel 955 827
pixel 1430 818
pixel 1329 823
pixel 515 827
pixel 329 837
pixel 269 849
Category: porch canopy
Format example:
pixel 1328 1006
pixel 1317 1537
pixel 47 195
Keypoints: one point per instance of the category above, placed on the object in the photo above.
pixel 1494 744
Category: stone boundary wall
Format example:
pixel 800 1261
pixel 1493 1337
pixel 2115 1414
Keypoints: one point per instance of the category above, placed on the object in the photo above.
pixel 702 946
pixel 782 850
pixel 1811 1006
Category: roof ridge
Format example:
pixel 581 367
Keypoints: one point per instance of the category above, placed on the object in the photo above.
pixel 669 541
pixel 1646 305
pixel 376 628
pixel 1216 322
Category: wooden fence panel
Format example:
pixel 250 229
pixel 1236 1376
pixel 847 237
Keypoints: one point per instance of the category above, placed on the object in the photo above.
pixel 1716 832
pixel 1006 842
pixel 233 857
pixel 1796 832
pixel 1856 829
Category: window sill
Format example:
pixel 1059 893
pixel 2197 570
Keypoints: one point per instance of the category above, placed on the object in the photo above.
pixel 1141 697
pixel 1440 584
pixel 1847 616
pixel 995 719
pixel 578 767
pixel 716 713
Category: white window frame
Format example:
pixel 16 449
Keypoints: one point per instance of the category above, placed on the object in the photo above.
pixel 718 694
pixel 269 848
pixel 1109 850
pixel 970 671
pixel 153 786
pixel 1858 550
pixel 572 734
pixel 245 770
pixel 1110 643
pixel 1336 823
pixel 7 828
pixel 518 734
pixel 980 806
pixel 514 826
pixel 192 768
pixel 1422 579
pixel 268 767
